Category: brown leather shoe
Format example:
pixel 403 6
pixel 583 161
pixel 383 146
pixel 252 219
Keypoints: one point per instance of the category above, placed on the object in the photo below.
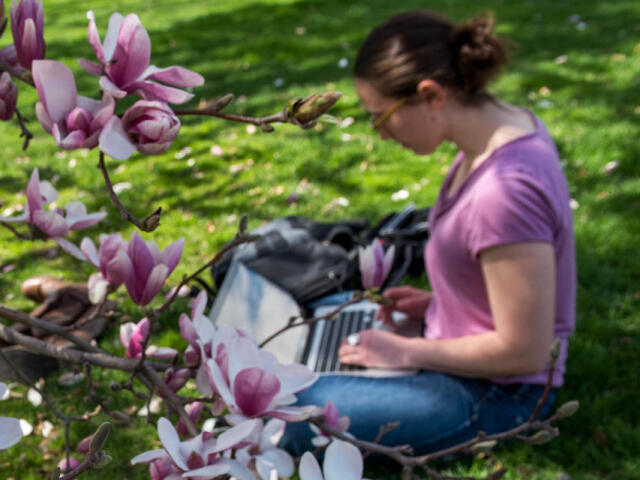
pixel 39 287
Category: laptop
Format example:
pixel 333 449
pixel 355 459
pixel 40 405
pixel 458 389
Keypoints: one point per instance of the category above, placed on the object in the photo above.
pixel 253 303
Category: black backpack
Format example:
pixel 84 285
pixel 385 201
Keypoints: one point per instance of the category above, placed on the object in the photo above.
pixel 312 259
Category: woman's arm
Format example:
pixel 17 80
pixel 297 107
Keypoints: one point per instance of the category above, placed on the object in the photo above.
pixel 520 281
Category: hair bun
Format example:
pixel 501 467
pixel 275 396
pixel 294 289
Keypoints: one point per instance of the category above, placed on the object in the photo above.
pixel 480 53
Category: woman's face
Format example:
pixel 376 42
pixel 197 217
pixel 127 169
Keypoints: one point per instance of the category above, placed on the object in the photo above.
pixel 414 125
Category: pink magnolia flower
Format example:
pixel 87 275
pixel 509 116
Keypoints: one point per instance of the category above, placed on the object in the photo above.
pixel 263 455
pixel 200 456
pixel 27 27
pixel 52 223
pixel 198 331
pixel 147 126
pixel 124 63
pixel 74 121
pixel 332 419
pixel 8 97
pixel 149 267
pixel 10 431
pixel 176 379
pixel 133 335
pixel 162 469
pixel 342 461
pixel 64 466
pixel 253 384
pixel 111 259
pixel 375 264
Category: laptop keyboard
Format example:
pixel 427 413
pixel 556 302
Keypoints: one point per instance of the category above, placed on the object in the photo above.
pixel 326 336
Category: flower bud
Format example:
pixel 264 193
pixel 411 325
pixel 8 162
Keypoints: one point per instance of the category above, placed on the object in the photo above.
pixel 541 437
pixel 308 110
pixel 567 409
pixel 8 97
pixel 222 102
pixel 65 467
pixel 151 126
pixel 118 416
pixel 27 27
pixel 152 221
pixel 55 474
pixel 100 437
pixel 483 447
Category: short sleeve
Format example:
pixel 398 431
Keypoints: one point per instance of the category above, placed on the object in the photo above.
pixel 510 209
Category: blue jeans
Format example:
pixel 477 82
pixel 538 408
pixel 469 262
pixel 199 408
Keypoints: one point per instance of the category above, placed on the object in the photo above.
pixel 435 410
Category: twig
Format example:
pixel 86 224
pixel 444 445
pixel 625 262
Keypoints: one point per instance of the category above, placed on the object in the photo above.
pixel 357 296
pixel 21 236
pixel 149 224
pixel 90 461
pixel 18 73
pixel 26 133
pixel 281 117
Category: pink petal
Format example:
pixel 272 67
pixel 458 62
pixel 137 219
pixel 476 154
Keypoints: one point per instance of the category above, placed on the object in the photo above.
pixel 294 377
pixel 236 434
pixel 56 88
pixel 149 456
pixel 187 330
pixel 92 68
pixel 72 141
pixel 309 468
pixel 172 253
pixel 114 141
pixel 217 380
pixel 277 459
pixel 171 442
pixel 97 288
pixel 175 76
pixel 164 353
pixel 126 330
pixel 199 304
pixel 103 113
pixel 94 41
pixel 43 117
pixel 342 461
pixel 154 284
pixel 69 247
pixel 87 221
pixel 291 414
pixel 388 261
pixel 29 47
pixel 50 223
pixel 111 88
pixel 111 38
pixel 119 268
pixel 210 471
pixel 132 52
pixel 154 91
pixel 253 390
pixel 34 197
pixel 140 331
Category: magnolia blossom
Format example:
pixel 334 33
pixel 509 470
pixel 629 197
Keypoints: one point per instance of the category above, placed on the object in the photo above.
pixel 149 267
pixel 342 461
pixel 74 121
pixel 200 456
pixel 375 264
pixel 8 97
pixel 64 466
pixel 52 223
pixel 27 27
pixel 252 383
pixel 10 431
pixel 176 378
pixel 124 63
pixel 112 260
pixel 332 419
pixel 148 126
pixel 133 335
pixel 263 456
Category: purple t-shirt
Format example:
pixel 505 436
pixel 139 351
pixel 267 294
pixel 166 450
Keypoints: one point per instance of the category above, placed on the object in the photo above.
pixel 518 194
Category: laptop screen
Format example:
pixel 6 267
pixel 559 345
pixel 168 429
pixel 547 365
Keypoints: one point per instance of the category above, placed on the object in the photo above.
pixel 250 302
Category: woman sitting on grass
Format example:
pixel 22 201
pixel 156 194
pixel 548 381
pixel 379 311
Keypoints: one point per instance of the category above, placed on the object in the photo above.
pixel 500 258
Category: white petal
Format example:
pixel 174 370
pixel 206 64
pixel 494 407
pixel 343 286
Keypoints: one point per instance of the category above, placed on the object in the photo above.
pixel 114 141
pixel 26 427
pixel 4 391
pixel 171 442
pixel 111 38
pixel 236 434
pixel 309 468
pixel 34 397
pixel 70 248
pixel 149 456
pixel 342 461
pixel 10 432
pixel 281 460
pixel 210 471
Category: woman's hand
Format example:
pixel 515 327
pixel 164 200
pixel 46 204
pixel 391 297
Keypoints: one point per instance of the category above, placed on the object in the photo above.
pixel 376 349
pixel 413 302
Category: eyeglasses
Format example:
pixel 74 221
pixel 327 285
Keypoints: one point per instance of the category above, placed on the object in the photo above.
pixel 378 120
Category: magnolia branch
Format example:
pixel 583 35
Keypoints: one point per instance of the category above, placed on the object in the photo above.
pixel 19 235
pixel 357 297
pixel 148 224
pixel 26 133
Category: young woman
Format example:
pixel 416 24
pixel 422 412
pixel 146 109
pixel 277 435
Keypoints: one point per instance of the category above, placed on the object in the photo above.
pixel 500 258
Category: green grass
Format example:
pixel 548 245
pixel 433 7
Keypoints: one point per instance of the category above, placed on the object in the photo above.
pixel 243 46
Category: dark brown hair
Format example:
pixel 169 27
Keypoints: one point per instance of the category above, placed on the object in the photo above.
pixel 419 44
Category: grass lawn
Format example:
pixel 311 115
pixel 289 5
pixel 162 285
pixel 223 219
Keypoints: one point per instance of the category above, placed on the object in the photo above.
pixel 576 64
